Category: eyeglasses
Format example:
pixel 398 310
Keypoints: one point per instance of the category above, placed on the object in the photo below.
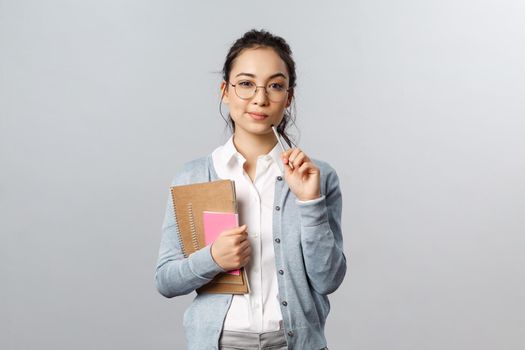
pixel 246 90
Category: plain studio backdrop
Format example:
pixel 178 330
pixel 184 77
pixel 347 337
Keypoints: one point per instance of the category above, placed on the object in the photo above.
pixel 418 105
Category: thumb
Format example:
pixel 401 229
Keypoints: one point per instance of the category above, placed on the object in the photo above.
pixel 234 230
pixel 240 228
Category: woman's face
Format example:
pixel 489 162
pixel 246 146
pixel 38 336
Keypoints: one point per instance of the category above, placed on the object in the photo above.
pixel 261 67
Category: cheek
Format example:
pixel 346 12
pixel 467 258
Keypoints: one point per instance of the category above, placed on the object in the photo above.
pixel 237 108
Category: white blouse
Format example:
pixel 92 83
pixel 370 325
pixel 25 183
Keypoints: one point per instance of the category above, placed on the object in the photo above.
pixel 258 311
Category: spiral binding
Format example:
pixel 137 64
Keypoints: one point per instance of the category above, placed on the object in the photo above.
pixel 194 238
pixel 178 231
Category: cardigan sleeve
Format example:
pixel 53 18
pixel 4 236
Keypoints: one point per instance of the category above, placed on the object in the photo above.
pixel 176 275
pixel 322 239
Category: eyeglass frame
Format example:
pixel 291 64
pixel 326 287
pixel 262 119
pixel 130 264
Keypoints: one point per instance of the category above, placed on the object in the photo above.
pixel 255 92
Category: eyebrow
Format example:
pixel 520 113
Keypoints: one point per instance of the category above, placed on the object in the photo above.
pixel 279 74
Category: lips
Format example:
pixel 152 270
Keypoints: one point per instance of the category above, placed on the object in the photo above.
pixel 258 116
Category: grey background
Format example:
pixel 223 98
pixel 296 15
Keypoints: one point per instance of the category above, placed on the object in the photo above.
pixel 417 104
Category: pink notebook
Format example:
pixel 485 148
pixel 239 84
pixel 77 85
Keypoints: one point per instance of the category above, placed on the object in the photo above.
pixel 215 223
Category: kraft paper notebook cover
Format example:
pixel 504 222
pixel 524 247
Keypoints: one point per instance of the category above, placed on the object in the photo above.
pixel 189 203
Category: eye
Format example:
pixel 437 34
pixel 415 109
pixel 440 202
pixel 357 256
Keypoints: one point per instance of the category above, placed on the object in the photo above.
pixel 276 86
pixel 245 83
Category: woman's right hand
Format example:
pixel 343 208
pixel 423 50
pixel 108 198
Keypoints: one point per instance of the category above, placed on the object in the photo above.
pixel 232 250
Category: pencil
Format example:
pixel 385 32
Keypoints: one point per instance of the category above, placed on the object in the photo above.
pixel 280 143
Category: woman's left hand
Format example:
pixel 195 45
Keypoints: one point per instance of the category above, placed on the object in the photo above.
pixel 304 179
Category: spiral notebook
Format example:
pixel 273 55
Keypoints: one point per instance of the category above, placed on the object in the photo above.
pixel 189 204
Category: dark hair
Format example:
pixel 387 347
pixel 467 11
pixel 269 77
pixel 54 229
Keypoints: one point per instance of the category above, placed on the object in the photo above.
pixel 261 38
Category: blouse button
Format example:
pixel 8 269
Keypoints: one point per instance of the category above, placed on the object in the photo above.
pixel 284 303
pixel 290 333
pixel 279 178
pixel 277 208
pixel 277 240
pixel 281 272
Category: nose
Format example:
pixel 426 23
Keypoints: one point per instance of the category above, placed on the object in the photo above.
pixel 261 97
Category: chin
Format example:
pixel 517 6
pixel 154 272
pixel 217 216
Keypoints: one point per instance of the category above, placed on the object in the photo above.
pixel 257 129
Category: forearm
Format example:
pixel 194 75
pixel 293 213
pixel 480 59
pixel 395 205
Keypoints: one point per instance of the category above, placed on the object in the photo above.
pixel 321 243
pixel 176 275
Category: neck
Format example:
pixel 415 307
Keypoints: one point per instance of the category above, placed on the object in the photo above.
pixel 251 145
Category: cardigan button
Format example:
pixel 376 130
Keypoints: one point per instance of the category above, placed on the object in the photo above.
pixel 279 178
pixel 277 240
pixel 277 208
pixel 281 272
pixel 290 333
pixel 284 303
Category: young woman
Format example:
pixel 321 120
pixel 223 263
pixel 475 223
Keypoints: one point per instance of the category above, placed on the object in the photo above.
pixel 290 241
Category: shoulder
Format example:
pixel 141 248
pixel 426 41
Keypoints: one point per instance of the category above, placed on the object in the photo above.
pixel 191 171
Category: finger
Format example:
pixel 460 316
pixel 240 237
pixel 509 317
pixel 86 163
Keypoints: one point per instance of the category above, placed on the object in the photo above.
pixel 241 237
pixel 287 171
pixel 310 167
pixel 247 251
pixel 287 152
pixel 294 158
pixel 286 155
pixel 290 165
pixel 304 168
pixel 238 250
pixel 244 244
pixel 294 154
pixel 299 159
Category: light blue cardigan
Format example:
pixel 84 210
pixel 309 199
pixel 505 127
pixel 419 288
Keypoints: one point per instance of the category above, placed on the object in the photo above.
pixel 308 247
